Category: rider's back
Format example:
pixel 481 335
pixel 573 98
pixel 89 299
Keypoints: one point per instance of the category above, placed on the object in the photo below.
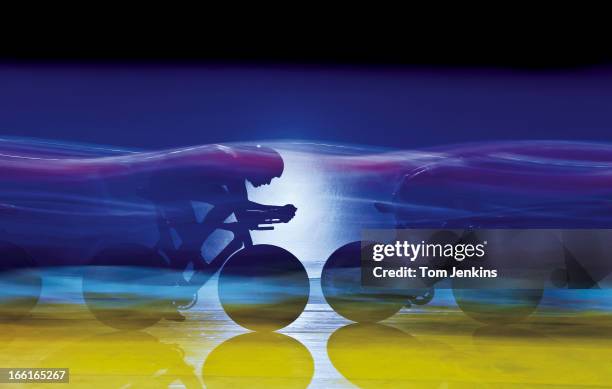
pixel 186 184
pixel 64 204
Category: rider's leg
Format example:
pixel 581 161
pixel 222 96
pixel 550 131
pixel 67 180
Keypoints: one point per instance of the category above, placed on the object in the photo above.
pixel 167 221
pixel 171 217
pixel 191 235
pixel 203 270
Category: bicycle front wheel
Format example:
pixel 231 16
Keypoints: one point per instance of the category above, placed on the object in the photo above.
pixel 263 288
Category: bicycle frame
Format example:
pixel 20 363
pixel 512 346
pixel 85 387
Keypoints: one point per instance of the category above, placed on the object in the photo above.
pixel 242 239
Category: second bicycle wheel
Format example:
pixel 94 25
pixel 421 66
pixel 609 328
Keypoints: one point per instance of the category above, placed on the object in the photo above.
pixel 344 292
pixel 263 288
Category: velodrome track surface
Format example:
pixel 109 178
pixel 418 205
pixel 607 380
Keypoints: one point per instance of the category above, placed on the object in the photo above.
pixel 436 346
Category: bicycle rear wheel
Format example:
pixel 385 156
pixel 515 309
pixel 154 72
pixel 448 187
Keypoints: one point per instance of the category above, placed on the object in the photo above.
pixel 343 290
pixel 128 286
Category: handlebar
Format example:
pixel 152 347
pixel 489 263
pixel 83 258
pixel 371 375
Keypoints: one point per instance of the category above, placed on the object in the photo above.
pixel 261 220
pixel 262 228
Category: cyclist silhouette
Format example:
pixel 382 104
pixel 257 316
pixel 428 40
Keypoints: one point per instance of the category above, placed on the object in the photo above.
pixel 222 185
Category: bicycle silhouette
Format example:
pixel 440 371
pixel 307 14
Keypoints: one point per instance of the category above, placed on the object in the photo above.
pixel 261 287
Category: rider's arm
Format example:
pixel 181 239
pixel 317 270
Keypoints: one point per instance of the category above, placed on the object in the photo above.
pixel 245 209
pixel 242 203
pixel 253 206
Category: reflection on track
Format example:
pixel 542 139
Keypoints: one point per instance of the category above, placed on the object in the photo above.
pixel 372 355
pixel 433 347
pixel 259 360
pixel 121 354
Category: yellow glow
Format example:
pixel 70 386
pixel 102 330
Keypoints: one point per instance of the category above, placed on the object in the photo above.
pixel 427 349
pixel 259 360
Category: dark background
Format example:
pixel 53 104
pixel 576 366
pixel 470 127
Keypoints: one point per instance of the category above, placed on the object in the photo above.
pixel 396 90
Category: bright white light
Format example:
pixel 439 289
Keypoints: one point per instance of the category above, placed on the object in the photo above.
pixel 310 236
